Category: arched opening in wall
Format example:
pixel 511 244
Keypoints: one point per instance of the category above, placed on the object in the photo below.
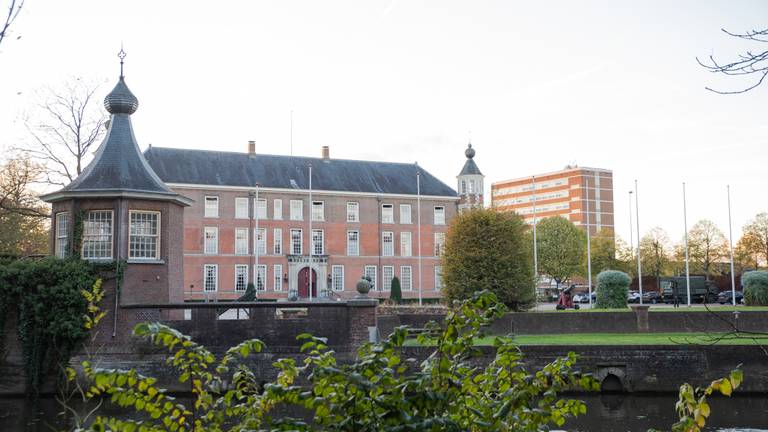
pixel 611 384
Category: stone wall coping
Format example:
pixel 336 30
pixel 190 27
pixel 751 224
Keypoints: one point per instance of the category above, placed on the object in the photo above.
pixel 245 305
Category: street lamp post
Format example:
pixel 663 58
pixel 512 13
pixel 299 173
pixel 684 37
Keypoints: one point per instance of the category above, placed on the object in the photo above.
pixel 730 245
pixel 639 266
pixel 687 270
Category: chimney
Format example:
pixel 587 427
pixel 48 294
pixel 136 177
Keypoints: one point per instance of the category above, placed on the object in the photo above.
pixel 326 153
pixel 252 149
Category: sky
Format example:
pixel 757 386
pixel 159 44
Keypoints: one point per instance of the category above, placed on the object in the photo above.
pixel 538 85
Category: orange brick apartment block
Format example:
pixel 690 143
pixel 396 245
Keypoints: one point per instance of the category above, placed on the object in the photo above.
pixel 567 193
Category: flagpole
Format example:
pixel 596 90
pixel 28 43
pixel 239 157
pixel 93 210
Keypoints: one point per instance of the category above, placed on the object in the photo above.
pixel 418 223
pixel 535 249
pixel 639 266
pixel 311 239
pixel 730 241
pixel 687 270
pixel 589 249
pixel 256 249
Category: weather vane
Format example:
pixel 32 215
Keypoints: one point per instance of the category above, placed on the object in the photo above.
pixel 121 55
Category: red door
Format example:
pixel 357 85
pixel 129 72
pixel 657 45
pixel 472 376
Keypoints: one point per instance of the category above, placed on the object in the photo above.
pixel 304 283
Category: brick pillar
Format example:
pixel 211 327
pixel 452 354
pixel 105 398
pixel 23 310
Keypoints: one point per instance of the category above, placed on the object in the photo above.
pixel 641 313
pixel 361 316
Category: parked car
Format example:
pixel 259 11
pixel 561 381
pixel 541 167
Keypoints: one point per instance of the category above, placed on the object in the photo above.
pixel 633 297
pixel 652 297
pixel 727 296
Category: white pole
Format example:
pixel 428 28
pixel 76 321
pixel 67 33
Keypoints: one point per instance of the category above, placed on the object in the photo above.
pixel 730 241
pixel 631 228
pixel 535 247
pixel 639 266
pixel 418 224
pixel 589 249
pixel 256 249
pixel 687 269
pixel 311 239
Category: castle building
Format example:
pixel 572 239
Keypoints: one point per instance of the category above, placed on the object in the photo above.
pixel 202 225
pixel 571 193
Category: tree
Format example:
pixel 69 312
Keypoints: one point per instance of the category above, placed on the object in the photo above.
pixel 748 63
pixel 744 256
pixel 395 294
pixel 561 248
pixel 612 290
pixel 489 250
pixel 23 217
pixel 754 241
pixel 654 252
pixel 706 246
pixel 625 257
pixel 603 251
pixel 64 126
pixel 13 12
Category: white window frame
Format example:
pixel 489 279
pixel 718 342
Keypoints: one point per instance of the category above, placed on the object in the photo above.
pixel 256 277
pixel 260 209
pixel 62 234
pixel 215 268
pixel 439 215
pixel 406 243
pixel 318 216
pixel 277 277
pixel 388 217
pixel 238 271
pixel 315 250
pixel 277 241
pixel 337 283
pixel 156 236
pixel 241 244
pixel 439 246
pixel 300 243
pixel 209 210
pixel 438 278
pixel 260 246
pixel 277 209
pixel 409 271
pixel 387 285
pixel 387 251
pixel 367 272
pixel 405 213
pixel 215 231
pixel 297 210
pixel 353 211
pixel 353 246
pixel 241 208
pixel 111 235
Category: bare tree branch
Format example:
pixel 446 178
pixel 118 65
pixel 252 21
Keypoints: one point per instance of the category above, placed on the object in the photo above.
pixel 13 12
pixel 749 63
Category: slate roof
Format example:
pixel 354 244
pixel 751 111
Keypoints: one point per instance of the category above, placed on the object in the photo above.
pixel 218 168
pixel 470 167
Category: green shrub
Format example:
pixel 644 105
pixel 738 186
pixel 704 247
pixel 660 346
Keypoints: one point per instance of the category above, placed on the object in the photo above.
pixel 755 288
pixel 612 289
pixel 395 293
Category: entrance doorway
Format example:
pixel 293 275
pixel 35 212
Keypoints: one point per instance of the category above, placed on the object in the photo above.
pixel 304 283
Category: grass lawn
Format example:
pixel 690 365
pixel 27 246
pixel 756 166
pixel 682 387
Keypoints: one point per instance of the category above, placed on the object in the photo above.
pixel 623 339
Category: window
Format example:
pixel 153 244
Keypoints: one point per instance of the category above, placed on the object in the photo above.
pixel 211 206
pixel 241 208
pixel 318 211
pixel 277 241
pixel 438 278
pixel 261 241
pixel 353 243
pixel 297 210
pixel 211 277
pixel 387 213
pixel 277 271
pixel 211 240
pixel 471 186
pixel 261 208
pixel 353 212
pixel 337 278
pixel 296 242
pixel 439 243
pixel 97 235
pixel 317 242
pixel 62 234
pixel 277 209
pixel 387 243
pixel 241 241
pixel 261 277
pixel 406 279
pixel 387 273
pixel 405 244
pixel 463 187
pixel 144 240
pixel 370 273
pixel 440 215
pixel 241 277
pixel 405 213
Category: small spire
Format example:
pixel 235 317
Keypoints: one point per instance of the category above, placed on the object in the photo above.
pixel 121 55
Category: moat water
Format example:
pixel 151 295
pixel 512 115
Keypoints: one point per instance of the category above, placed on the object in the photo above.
pixel 605 413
